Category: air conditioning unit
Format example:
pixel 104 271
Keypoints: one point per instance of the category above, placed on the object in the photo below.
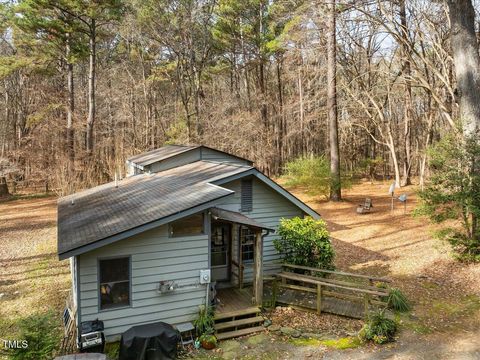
pixel 205 276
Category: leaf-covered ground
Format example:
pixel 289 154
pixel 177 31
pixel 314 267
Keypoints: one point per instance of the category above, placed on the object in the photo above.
pixel 444 322
pixel 32 280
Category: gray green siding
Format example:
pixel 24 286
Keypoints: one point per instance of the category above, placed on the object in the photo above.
pixel 154 257
pixel 213 155
pixel 175 161
pixel 268 208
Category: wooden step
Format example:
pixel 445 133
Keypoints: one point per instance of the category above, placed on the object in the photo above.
pixel 237 333
pixel 233 314
pixel 241 322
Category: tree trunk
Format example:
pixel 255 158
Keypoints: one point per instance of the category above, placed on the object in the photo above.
pixel 91 87
pixel 467 62
pixel 7 119
pixel 3 187
pixel 408 98
pixel 70 107
pixel 263 110
pixel 301 112
pixel 467 70
pixel 335 186
pixel 281 117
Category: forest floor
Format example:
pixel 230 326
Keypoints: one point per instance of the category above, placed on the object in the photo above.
pixel 444 322
pixel 32 280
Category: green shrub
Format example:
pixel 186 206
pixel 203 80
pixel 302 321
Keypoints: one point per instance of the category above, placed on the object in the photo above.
pixel 43 335
pixel 378 329
pixel 312 173
pixel 452 193
pixel 305 242
pixel 397 300
pixel 209 338
pixel 112 350
pixel 204 322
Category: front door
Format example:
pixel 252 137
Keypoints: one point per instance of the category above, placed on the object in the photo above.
pixel 220 251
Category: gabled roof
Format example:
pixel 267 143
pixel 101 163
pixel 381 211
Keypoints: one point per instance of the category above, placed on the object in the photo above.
pixel 168 151
pixel 105 211
pixel 165 152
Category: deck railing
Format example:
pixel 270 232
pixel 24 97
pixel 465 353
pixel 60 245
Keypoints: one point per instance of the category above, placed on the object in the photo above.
pixel 324 284
pixel 238 273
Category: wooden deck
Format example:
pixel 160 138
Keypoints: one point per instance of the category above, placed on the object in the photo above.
pixel 233 299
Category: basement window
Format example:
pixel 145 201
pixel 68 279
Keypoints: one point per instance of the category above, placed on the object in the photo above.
pixel 114 282
pixel 192 225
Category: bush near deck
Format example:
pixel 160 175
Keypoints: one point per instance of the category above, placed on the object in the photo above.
pixel 305 242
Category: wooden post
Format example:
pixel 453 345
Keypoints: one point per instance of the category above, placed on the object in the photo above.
pixel 366 304
pixel 319 299
pixel 274 291
pixel 258 269
pixel 235 253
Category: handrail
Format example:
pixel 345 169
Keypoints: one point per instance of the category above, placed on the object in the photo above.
pixel 299 277
pixel 337 272
pixel 237 264
pixel 344 283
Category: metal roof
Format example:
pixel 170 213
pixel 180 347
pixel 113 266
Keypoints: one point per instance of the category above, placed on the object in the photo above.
pixel 165 152
pixel 236 217
pixel 106 210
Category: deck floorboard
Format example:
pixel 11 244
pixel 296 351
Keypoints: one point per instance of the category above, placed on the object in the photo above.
pixel 233 299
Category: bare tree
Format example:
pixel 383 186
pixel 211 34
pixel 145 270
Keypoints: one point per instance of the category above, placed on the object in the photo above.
pixel 335 185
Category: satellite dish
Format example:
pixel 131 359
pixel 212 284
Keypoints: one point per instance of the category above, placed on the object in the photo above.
pixel 403 197
pixel 392 188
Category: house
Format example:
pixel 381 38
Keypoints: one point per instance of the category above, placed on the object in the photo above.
pixel 138 246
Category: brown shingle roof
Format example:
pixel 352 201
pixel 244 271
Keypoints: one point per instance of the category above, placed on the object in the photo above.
pixel 106 210
pixel 236 217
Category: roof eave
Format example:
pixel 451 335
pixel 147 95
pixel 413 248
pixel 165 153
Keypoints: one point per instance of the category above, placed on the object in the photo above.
pixel 140 229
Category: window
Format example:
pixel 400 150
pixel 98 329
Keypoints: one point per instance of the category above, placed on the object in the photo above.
pixel 114 283
pixel 246 195
pixel 219 245
pixel 192 225
pixel 247 243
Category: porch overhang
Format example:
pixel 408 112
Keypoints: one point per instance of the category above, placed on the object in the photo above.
pixel 237 218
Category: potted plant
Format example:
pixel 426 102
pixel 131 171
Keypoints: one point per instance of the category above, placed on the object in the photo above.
pixel 204 325
pixel 208 341
pixel 204 322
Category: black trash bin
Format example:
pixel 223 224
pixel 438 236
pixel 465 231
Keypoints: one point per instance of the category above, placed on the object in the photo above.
pixel 156 341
